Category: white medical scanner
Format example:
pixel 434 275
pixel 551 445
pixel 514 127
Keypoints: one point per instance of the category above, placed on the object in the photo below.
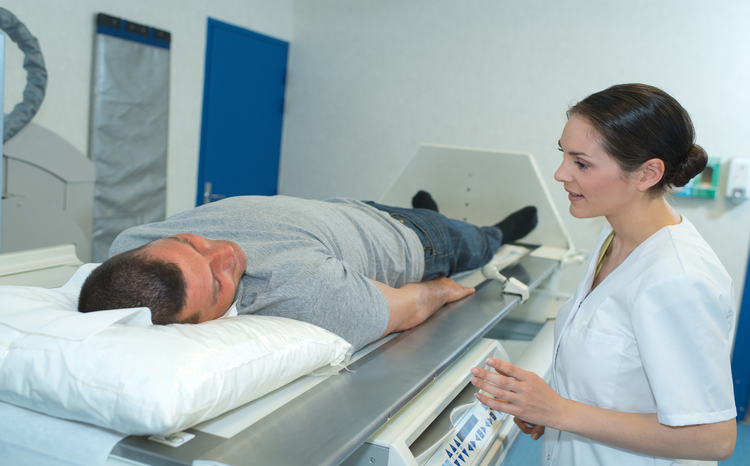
pixel 48 193
pixel 406 399
pixel 47 185
pixel 48 267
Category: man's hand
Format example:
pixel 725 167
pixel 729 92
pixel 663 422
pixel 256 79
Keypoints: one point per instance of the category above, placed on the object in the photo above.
pixel 413 303
pixel 452 289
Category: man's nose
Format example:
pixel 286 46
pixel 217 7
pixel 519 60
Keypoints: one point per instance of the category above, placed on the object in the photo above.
pixel 220 255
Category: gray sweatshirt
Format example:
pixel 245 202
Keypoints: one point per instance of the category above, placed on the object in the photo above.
pixel 306 260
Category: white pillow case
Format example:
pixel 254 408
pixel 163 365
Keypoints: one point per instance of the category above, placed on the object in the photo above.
pixel 116 370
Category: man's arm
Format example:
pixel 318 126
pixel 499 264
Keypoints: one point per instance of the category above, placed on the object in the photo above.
pixel 413 303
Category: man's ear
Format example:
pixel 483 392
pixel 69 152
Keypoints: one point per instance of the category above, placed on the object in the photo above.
pixel 651 172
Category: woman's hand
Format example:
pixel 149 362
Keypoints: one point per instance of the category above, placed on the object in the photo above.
pixel 519 393
pixel 527 428
pixel 535 405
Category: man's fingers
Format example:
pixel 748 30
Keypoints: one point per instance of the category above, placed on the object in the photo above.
pixel 453 290
pixel 464 292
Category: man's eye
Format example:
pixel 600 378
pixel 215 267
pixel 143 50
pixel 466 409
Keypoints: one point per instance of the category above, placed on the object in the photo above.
pixel 194 244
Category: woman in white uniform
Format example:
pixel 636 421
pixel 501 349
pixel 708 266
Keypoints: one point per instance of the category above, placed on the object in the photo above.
pixel 641 365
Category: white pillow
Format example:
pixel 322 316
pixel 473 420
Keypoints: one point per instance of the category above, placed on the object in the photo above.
pixel 116 370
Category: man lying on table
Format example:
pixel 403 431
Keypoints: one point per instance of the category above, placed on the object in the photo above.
pixel 358 269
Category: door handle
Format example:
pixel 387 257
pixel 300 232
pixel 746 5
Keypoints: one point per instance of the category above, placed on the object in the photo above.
pixel 207 196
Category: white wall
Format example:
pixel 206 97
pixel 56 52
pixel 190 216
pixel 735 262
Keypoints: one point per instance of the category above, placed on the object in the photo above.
pixel 65 30
pixel 371 80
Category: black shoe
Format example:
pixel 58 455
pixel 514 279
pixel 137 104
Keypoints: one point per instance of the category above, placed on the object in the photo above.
pixel 423 200
pixel 518 224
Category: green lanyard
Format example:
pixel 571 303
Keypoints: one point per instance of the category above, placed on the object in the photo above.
pixel 604 253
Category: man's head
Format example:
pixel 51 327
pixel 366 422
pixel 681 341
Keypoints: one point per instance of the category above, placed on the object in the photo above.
pixel 182 278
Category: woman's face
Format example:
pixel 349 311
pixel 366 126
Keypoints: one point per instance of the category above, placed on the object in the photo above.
pixel 595 183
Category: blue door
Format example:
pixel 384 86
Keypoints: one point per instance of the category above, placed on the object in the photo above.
pixel 741 353
pixel 243 103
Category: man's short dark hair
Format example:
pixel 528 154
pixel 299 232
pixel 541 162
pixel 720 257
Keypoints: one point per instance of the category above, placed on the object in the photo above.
pixel 130 280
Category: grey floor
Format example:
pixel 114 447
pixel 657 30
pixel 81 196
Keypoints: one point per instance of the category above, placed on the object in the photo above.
pixel 525 452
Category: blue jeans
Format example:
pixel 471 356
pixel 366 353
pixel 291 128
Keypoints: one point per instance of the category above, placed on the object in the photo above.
pixel 450 246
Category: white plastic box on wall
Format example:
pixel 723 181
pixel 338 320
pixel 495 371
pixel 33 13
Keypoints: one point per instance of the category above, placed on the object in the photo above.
pixel 738 179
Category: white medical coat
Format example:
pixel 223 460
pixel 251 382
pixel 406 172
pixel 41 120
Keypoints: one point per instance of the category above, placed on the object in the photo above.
pixel 653 337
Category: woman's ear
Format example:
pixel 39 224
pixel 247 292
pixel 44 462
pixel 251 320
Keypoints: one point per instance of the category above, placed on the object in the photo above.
pixel 651 172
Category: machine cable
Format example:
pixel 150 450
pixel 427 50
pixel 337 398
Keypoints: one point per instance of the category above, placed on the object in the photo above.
pixel 36 78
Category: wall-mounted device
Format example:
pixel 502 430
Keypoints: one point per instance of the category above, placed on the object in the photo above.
pixel 738 179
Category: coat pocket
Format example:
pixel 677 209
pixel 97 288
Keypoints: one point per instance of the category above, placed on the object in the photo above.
pixel 589 363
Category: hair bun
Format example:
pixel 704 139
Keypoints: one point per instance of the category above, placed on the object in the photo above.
pixel 694 163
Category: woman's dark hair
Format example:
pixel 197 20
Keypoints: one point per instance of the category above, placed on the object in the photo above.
pixel 636 123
